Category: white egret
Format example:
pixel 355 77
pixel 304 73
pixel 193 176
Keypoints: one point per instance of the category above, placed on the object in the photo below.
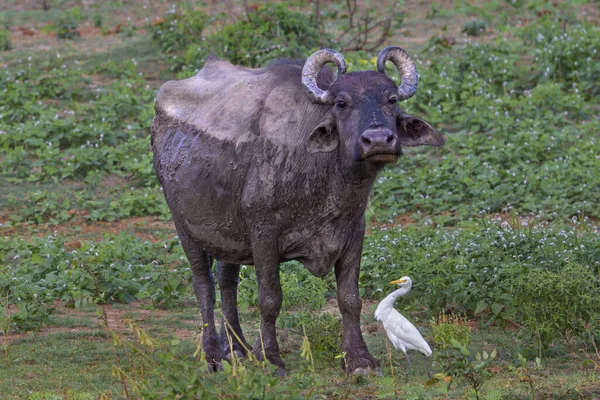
pixel 403 335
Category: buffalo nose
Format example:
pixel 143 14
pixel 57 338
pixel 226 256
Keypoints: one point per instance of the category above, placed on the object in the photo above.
pixel 377 137
pixel 377 141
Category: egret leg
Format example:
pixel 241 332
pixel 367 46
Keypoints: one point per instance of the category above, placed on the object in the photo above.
pixel 408 369
pixel 428 364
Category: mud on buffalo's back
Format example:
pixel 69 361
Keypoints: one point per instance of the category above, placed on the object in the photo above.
pixel 228 102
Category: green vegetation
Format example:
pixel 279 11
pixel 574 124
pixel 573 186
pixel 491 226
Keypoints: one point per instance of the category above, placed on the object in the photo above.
pixel 523 134
pixel 66 25
pixel 498 229
pixel 269 32
pixel 459 361
pixel 447 328
pixel 5 41
pixel 181 376
pixel 175 32
pixel 474 28
pixel 493 269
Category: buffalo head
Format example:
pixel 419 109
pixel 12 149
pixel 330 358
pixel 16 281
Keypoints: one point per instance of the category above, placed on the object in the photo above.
pixel 365 118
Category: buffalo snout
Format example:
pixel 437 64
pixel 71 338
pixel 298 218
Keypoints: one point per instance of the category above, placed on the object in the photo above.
pixel 378 145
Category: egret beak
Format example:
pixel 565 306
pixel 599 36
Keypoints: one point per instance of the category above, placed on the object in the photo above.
pixel 398 281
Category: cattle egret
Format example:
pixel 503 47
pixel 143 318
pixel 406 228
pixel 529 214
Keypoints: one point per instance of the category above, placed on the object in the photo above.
pixel 403 335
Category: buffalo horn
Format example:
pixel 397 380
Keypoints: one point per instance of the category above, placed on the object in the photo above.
pixel 406 67
pixel 311 69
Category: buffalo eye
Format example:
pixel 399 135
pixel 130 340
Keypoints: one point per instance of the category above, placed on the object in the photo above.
pixel 393 100
pixel 341 104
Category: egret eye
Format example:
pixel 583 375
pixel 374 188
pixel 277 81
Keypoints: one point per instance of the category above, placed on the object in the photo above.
pixel 341 104
pixel 393 100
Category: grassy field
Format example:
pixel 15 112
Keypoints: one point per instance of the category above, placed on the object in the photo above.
pixel 499 229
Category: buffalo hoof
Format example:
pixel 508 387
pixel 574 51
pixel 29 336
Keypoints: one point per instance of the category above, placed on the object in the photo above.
pixel 214 361
pixel 360 371
pixel 366 372
pixel 235 354
pixel 213 356
pixel 239 350
pixel 213 352
pixel 362 365
pixel 274 359
pixel 215 366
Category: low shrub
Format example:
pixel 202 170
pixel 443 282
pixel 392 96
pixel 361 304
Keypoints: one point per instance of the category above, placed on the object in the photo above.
pixel 302 290
pixel 461 363
pixel 41 207
pixel 120 269
pixel 5 41
pixel 449 327
pixel 270 32
pixel 90 130
pixel 66 25
pixel 539 275
pixel 177 30
pixel 323 332
pixel 557 303
pixel 566 53
pixel 474 28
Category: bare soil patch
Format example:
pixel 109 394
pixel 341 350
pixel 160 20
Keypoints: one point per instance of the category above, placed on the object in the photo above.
pixel 79 230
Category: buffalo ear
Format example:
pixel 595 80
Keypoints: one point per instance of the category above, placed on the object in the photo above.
pixel 413 131
pixel 324 138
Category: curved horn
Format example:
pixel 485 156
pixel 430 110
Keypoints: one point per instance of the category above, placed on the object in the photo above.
pixel 406 67
pixel 311 69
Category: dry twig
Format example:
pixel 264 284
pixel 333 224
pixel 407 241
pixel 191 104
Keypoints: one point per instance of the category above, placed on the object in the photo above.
pixel 365 31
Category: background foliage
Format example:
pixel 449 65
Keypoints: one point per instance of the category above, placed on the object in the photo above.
pixel 499 225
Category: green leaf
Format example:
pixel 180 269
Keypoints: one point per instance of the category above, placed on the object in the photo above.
pixel 494 394
pixel 193 376
pixel 481 305
pixel 479 365
pixel 496 308
pixel 37 259
pixel 493 355
pixel 173 282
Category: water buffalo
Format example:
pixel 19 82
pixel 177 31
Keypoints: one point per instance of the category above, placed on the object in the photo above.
pixel 262 166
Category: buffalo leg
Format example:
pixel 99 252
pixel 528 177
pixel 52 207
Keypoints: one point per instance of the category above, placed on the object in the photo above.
pixel 270 298
pixel 358 359
pixel 229 278
pixel 204 288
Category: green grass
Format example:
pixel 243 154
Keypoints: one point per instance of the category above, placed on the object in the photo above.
pixel 29 17
pixel 81 362
pixel 110 10
pixel 500 224
pixel 49 363
pixel 64 320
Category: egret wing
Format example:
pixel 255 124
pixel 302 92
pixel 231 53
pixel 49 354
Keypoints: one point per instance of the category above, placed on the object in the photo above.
pixel 405 332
